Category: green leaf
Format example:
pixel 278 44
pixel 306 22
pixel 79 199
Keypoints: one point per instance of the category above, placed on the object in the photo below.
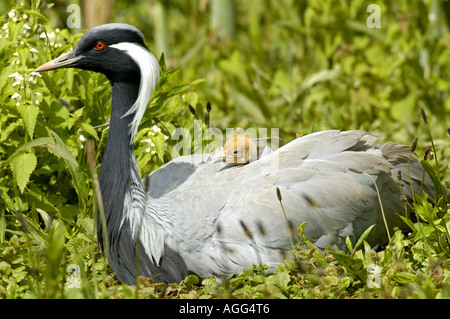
pixel 362 238
pixel 2 224
pixel 61 150
pixel 281 280
pixel 22 166
pixel 190 281
pixel 36 13
pixel 439 192
pixel 159 142
pixel 191 97
pixel 319 77
pixel 305 241
pixel 4 135
pixel 349 245
pixel 45 217
pixel 162 63
pixel 90 130
pixel 29 113
pixel 353 266
pixel 42 141
pixel 407 221
pixel 404 277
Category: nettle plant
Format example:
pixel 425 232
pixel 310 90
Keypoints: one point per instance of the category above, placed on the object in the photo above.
pixel 46 120
pixel 29 120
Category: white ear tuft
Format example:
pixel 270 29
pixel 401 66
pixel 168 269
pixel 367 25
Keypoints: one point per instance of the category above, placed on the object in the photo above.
pixel 150 70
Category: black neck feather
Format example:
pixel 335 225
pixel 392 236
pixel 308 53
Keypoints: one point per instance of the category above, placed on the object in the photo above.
pixel 118 160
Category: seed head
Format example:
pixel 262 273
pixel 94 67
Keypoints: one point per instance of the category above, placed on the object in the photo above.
pixel 206 119
pixel 424 116
pixel 191 108
pixel 279 194
pixel 414 144
pixel 355 170
pixel 208 106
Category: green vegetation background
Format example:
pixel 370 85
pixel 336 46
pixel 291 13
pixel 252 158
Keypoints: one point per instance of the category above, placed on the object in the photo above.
pixel 300 66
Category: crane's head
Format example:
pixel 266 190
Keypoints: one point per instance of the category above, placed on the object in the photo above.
pixel 114 49
pixel 118 51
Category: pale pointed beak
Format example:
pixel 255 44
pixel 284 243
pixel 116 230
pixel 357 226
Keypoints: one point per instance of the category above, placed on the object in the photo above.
pixel 221 159
pixel 63 61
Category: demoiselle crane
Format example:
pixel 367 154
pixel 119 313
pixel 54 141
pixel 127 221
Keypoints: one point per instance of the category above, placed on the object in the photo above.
pixel 190 219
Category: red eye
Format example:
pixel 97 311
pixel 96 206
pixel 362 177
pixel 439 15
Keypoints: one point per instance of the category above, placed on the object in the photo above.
pixel 100 45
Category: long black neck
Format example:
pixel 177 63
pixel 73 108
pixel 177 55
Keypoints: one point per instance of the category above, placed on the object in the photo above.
pixel 118 163
pixel 121 185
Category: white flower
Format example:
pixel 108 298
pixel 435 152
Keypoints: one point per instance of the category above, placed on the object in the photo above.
pixel 149 141
pixel 50 35
pixel 151 146
pixel 34 50
pixel 25 30
pixel 13 15
pixel 34 98
pixel 17 97
pixel 30 78
pixel 156 129
pixel 19 80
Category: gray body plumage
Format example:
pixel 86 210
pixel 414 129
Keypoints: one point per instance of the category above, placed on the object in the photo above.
pixel 191 218
pixel 206 204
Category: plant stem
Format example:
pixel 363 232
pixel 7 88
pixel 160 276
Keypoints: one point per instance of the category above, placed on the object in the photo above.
pixel 285 217
pixel 379 198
